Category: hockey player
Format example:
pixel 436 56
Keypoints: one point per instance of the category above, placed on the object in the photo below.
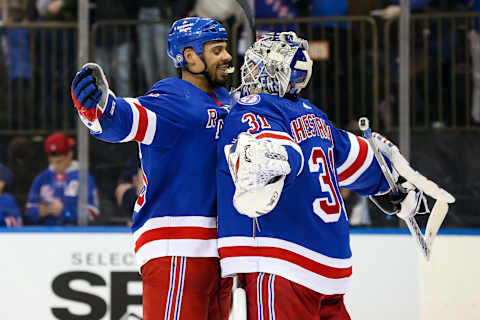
pixel 283 163
pixel 53 196
pixel 176 124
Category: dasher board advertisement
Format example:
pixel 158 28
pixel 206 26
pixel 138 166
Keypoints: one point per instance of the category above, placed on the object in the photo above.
pixel 67 276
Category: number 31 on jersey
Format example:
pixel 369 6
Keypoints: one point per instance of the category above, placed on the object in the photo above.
pixel 327 208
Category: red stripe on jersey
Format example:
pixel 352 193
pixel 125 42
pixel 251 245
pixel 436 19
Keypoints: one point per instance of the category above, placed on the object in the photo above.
pixel 142 123
pixel 362 155
pixel 93 214
pixel 218 102
pixel 282 254
pixel 10 221
pixel 274 136
pixel 141 200
pixel 197 233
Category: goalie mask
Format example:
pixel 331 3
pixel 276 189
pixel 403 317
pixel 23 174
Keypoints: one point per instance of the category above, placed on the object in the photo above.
pixel 278 63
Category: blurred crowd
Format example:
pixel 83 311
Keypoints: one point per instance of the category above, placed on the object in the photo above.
pixel 38 58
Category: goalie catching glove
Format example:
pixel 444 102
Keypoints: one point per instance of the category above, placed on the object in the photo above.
pixel 258 169
pixel 91 96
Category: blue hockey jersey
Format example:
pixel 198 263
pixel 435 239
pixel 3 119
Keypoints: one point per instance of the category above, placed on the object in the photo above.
pixel 10 215
pixel 306 237
pixel 176 126
pixel 49 186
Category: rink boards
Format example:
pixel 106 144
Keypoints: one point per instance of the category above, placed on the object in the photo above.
pixel 62 273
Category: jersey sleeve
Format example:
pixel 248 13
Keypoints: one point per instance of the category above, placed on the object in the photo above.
pixel 264 125
pixel 356 165
pixel 150 120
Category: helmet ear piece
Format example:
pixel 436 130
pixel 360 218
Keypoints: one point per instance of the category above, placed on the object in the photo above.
pixel 301 70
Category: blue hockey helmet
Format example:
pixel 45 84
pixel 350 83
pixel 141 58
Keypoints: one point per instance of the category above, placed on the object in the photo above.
pixel 192 32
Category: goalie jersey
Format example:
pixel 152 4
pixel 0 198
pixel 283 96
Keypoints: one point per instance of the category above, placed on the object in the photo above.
pixel 176 126
pixel 305 238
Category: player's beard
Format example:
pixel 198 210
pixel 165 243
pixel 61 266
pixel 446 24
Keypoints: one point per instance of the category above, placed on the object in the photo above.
pixel 215 80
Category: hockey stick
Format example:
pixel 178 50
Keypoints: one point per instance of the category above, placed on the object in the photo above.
pixel 412 224
pixel 248 10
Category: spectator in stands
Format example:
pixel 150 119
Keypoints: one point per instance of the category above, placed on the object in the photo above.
pixel 24 163
pixel 16 55
pixel 392 10
pixel 130 185
pixel 10 215
pixel 276 9
pixel 57 10
pixel 54 192
pixel 334 36
pixel 474 40
pixel 55 61
pixel 114 42
pixel 155 61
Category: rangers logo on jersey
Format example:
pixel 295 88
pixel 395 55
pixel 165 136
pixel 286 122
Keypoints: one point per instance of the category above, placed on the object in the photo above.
pixel 250 100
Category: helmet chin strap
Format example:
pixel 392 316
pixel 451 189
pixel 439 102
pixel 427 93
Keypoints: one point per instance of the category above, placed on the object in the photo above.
pixel 203 72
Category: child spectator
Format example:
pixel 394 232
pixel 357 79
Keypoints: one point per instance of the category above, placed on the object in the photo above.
pixel 54 193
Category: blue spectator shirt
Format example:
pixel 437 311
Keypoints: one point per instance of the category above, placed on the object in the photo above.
pixel 15 46
pixel 10 215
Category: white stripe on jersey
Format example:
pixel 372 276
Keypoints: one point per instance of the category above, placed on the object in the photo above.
pixel 284 139
pixel 151 127
pixel 353 156
pixel 176 247
pixel 149 123
pixel 283 244
pixel 135 120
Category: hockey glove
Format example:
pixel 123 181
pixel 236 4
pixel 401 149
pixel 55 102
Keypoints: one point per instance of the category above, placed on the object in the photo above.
pixel 258 169
pixel 407 202
pixel 91 96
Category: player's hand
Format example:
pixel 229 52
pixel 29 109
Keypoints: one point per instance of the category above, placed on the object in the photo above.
pixel 406 203
pixel 56 207
pixel 92 96
pixel 85 93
